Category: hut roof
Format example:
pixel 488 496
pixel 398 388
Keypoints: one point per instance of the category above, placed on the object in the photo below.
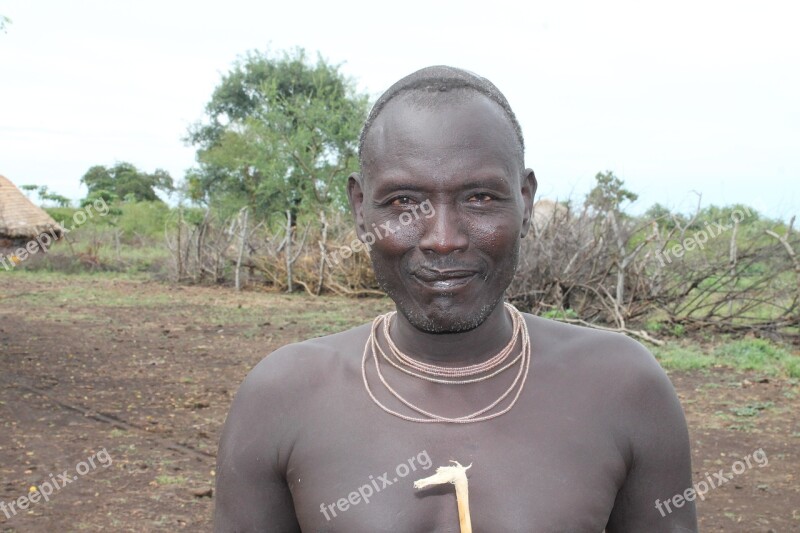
pixel 19 217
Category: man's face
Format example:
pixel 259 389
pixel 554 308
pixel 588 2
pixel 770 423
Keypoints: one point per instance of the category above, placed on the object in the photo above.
pixel 454 169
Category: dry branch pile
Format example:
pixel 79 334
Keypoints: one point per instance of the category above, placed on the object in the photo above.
pixel 605 268
pixel 592 266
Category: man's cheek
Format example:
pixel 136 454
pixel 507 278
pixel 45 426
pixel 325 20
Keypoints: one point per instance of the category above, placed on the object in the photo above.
pixel 498 239
pixel 400 240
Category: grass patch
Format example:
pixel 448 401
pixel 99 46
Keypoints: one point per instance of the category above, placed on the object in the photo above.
pixel 757 355
pixel 54 276
pixel 760 355
pixel 74 292
pixel 170 480
pixel 751 409
pixel 677 357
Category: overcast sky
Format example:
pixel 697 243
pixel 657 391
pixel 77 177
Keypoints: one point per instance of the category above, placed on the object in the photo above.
pixel 674 97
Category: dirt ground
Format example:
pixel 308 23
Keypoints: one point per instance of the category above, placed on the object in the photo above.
pixel 143 373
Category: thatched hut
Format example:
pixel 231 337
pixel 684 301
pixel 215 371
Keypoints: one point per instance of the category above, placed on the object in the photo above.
pixel 21 220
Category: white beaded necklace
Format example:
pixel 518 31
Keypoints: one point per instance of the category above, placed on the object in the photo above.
pixel 435 373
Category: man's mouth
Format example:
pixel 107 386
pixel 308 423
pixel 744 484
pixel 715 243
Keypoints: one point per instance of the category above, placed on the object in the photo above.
pixel 444 279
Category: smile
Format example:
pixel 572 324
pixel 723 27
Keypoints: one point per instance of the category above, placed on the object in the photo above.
pixel 444 281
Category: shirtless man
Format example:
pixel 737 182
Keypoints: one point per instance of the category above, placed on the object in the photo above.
pixel 596 438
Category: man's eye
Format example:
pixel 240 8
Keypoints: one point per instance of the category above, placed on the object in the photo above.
pixel 402 200
pixel 480 198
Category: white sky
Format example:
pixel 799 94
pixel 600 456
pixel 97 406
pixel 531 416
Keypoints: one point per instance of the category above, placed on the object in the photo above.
pixel 674 97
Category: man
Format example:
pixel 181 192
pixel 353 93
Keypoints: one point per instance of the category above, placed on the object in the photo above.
pixel 566 428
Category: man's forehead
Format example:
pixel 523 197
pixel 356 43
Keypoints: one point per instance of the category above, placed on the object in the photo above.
pixel 440 79
pixel 413 105
pixel 418 130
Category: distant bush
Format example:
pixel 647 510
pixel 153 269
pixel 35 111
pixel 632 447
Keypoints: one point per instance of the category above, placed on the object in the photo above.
pixel 143 218
pixel 61 214
pixel 128 238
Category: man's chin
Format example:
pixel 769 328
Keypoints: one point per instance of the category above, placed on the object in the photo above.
pixel 451 320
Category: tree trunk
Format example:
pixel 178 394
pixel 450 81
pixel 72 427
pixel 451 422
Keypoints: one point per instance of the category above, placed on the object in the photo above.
pixel 289 287
pixel 179 247
pixel 241 251
pixel 322 251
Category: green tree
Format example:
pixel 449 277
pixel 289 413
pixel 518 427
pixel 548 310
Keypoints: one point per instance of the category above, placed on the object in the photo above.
pixel 663 216
pixel 4 22
pixel 281 133
pixel 46 196
pixel 124 181
pixel 609 193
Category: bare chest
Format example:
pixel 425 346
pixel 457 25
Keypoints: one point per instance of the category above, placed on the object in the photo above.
pixel 527 474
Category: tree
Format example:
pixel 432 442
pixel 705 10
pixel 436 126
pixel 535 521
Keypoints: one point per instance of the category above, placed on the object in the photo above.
pixel 124 181
pixel 4 22
pixel 46 196
pixel 281 135
pixel 609 193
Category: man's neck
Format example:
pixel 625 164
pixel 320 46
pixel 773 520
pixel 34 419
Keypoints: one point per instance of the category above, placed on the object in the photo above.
pixel 457 349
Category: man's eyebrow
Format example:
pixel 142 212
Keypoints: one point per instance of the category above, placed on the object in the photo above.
pixel 398 186
pixel 495 181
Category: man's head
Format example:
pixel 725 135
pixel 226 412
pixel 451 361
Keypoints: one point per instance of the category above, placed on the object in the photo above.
pixel 436 85
pixel 446 138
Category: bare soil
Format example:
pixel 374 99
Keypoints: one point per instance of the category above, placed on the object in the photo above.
pixel 147 371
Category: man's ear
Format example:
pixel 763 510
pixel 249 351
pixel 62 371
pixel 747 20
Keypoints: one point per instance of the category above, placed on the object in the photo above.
pixel 355 194
pixel 528 193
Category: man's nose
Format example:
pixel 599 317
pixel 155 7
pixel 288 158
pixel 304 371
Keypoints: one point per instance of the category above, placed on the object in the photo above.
pixel 444 232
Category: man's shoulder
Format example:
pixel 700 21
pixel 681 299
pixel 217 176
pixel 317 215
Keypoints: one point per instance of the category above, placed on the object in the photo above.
pixel 605 353
pixel 608 370
pixel 307 367
pixel 310 357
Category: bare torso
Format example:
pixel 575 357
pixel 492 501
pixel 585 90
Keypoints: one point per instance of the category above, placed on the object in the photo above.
pixel 312 452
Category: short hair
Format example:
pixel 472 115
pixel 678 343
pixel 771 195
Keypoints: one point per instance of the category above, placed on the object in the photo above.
pixel 434 82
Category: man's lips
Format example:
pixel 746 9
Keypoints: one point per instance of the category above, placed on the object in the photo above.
pixel 444 281
pixel 432 276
